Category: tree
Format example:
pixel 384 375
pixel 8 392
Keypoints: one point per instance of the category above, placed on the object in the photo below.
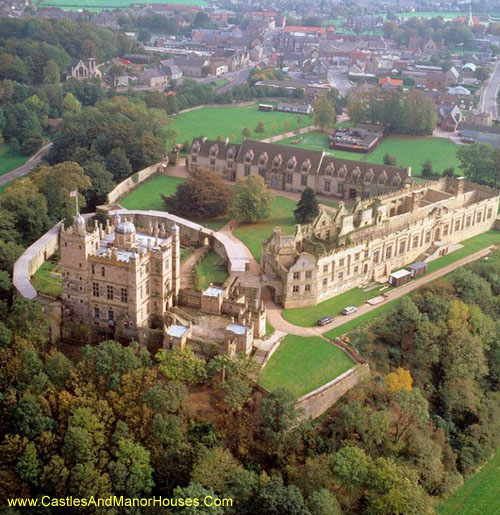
pixel 324 114
pixel 390 160
pixel 203 195
pixel 274 498
pixel 118 164
pixel 261 127
pixel 215 468
pixel 193 499
pixel 32 142
pixel 28 468
pixel 144 36
pixel 51 73
pixel 181 365
pixel 427 170
pixel 323 502
pixel 251 199
pixel 399 380
pixel 70 104
pixel 246 132
pixel 449 172
pixel 307 207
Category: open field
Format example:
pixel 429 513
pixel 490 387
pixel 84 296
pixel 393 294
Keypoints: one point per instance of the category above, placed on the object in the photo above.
pixel 478 495
pixel 303 364
pixel 228 122
pixel 111 4
pixel 253 234
pixel 307 317
pixel 9 160
pixel 408 150
pixel 44 281
pixel 148 196
pixel 210 270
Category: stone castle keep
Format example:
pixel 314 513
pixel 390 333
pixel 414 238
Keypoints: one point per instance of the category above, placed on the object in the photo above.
pixel 340 251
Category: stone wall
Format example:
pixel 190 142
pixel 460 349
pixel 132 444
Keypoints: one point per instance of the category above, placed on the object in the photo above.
pixel 131 182
pixel 317 402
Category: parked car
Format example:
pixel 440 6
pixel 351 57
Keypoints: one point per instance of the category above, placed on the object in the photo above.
pixel 349 310
pixel 325 320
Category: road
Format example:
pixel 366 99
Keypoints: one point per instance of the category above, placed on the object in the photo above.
pixel 488 101
pixel 339 80
pixel 26 168
pixel 235 78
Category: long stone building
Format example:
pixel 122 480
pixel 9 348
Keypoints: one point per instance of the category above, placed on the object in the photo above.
pixel 293 169
pixel 340 251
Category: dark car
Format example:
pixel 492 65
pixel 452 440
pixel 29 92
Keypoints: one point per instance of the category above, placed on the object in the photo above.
pixel 325 320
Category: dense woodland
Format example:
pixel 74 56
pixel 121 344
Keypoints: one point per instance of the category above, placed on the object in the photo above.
pixel 118 421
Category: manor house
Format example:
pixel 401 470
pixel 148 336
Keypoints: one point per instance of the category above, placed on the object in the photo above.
pixel 343 250
pixel 291 168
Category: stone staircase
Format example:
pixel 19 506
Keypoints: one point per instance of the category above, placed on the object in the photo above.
pixel 265 348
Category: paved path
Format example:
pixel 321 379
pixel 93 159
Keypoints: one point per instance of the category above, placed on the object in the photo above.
pixel 488 101
pixel 26 168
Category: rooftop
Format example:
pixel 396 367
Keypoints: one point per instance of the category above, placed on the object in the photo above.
pixel 177 331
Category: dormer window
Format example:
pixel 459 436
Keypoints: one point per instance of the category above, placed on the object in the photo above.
pixel 329 170
pixel 369 176
pixel 382 178
pixel 291 164
pixel 277 160
pixel 248 157
pixel 195 148
pixel 263 159
pixel 214 150
pixel 306 166
pixel 230 154
pixel 396 180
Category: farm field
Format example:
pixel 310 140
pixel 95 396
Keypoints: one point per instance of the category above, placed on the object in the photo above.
pixel 111 4
pixel 301 365
pixel 253 234
pixel 228 122
pixel 148 196
pixel 9 159
pixel 46 281
pixel 408 150
pixel 210 270
pixel 479 493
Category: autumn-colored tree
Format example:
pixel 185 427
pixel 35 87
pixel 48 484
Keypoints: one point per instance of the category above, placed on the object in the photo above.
pixel 399 380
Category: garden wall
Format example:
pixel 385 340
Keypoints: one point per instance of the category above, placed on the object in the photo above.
pixel 131 182
pixel 317 402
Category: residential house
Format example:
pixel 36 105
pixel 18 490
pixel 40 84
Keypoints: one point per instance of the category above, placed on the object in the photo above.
pixel 192 66
pixel 155 77
pixel 388 84
pixel 449 117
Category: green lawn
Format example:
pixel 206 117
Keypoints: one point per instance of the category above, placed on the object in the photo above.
pixel 408 150
pixel 228 122
pixel 210 270
pixel 303 364
pixel 307 317
pixel 44 280
pixel 148 196
pixel 9 160
pixel 253 234
pixel 479 493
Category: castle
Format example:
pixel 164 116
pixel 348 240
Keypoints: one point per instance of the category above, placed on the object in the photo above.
pixel 294 169
pixel 340 251
pixel 117 280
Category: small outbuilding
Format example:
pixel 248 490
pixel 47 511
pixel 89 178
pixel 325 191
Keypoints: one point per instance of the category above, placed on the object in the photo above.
pixel 399 278
pixel 418 269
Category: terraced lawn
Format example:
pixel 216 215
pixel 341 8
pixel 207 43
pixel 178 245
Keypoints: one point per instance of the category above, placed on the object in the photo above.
pixel 210 270
pixel 148 196
pixel 479 493
pixel 46 280
pixel 303 364
pixel 228 122
pixel 253 234
pixel 408 150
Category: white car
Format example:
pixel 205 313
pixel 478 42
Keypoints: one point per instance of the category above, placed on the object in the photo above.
pixel 349 310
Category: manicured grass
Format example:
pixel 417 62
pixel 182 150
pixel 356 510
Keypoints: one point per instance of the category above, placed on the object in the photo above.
pixel 44 281
pixel 479 493
pixel 148 196
pixel 9 159
pixel 303 364
pixel 470 246
pixel 210 270
pixel 408 150
pixel 228 122
pixel 269 329
pixel 307 317
pixel 253 234
pixel 216 83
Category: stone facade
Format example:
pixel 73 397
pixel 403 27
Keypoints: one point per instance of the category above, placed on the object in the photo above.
pixel 349 249
pixel 117 281
pixel 83 69
pixel 293 169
